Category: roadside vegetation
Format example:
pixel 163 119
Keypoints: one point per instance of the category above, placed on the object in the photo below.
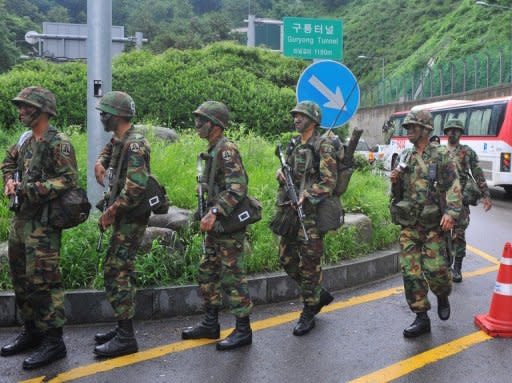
pixel 174 165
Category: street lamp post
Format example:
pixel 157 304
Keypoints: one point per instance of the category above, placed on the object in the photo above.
pixel 486 4
pixel 383 77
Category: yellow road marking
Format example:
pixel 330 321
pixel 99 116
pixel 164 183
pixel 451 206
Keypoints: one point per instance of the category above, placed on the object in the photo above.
pixel 157 352
pixel 483 254
pixel 416 362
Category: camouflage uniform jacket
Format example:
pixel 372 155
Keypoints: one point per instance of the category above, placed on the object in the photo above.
pixel 418 187
pixel 230 179
pixel 318 168
pixel 467 160
pixel 50 161
pixel 135 170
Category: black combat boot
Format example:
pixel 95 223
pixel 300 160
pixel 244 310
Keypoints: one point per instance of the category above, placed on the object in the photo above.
pixel 457 270
pixel 241 335
pixel 443 307
pixel 421 325
pixel 104 337
pixel 306 321
pixel 208 328
pixel 325 299
pixel 30 337
pixel 123 343
pixel 52 348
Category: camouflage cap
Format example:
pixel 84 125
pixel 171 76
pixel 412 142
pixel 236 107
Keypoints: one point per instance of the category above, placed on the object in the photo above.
pixel 418 117
pixel 454 124
pixel 215 111
pixel 310 109
pixel 39 97
pixel 118 104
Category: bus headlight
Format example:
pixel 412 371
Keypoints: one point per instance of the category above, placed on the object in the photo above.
pixel 505 162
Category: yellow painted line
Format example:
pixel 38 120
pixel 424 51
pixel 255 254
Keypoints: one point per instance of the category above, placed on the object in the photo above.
pixel 157 352
pixel 483 254
pixel 39 379
pixel 482 271
pixel 416 362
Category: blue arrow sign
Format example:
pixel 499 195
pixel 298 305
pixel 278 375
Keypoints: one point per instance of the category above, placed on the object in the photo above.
pixel 333 87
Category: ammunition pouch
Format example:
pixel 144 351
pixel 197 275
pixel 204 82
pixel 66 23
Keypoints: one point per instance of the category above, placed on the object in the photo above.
pixel 403 213
pixel 430 216
pixel 285 222
pixel 471 193
pixel 155 199
pixel 69 209
pixel 329 214
pixel 247 212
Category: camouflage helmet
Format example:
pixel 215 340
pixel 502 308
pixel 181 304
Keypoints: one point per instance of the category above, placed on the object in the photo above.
pixel 454 124
pixel 39 97
pixel 418 117
pixel 310 109
pixel 117 103
pixel 215 111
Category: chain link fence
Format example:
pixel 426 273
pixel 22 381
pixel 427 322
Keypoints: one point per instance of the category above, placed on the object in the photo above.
pixel 473 72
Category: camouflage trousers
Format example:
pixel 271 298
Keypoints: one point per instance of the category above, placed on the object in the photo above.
pixel 424 264
pixel 459 233
pixel 34 261
pixel 222 269
pixel 301 259
pixel 119 272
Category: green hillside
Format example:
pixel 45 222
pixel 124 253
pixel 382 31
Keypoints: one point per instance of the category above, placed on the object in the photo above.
pixel 406 33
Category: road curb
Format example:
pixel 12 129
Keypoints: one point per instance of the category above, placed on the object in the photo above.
pixel 90 306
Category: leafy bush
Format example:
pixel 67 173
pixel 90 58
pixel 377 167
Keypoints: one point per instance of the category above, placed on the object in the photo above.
pixel 257 85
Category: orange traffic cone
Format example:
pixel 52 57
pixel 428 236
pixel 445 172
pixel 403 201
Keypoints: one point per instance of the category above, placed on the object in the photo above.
pixel 498 322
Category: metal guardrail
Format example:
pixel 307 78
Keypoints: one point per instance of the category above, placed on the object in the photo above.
pixel 473 72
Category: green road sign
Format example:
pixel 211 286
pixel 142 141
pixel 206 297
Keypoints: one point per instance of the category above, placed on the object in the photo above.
pixel 313 38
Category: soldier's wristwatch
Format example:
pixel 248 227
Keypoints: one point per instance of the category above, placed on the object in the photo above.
pixel 214 211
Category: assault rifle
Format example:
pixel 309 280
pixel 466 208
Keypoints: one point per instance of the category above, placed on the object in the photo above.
pixel 201 200
pixel 348 158
pixel 290 189
pixel 15 199
pixel 107 198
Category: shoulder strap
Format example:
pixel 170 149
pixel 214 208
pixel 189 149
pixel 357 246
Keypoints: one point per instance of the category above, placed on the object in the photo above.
pixel 213 167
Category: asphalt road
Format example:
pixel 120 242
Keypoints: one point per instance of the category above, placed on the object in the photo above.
pixel 358 338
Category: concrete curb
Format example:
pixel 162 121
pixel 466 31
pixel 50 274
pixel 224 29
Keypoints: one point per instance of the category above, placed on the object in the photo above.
pixel 90 306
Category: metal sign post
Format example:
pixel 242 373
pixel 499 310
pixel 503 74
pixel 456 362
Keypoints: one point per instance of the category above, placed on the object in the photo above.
pixel 99 82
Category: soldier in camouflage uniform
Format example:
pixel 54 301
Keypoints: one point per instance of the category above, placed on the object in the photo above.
pixel 388 130
pixel 426 205
pixel 314 172
pixel 222 266
pixel 44 159
pixel 127 157
pixel 467 166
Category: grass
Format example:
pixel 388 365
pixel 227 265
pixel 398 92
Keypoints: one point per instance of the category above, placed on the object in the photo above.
pixel 175 166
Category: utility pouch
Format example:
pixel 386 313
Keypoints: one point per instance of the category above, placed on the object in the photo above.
pixel 430 216
pixel 69 209
pixel 155 199
pixel 329 215
pixel 247 212
pixel 404 212
pixel 285 222
pixel 471 193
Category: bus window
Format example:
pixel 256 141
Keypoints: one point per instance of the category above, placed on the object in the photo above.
pixel 438 122
pixel 479 122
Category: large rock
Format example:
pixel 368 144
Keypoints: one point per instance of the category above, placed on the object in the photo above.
pixel 363 226
pixel 166 134
pixel 175 219
pixel 166 237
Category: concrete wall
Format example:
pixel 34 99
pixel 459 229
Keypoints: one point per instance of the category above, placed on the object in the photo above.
pixel 371 119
